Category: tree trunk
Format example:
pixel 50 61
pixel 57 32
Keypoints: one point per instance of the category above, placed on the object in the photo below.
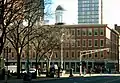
pixel 18 65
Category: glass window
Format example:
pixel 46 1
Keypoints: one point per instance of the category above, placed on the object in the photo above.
pixel 84 32
pixel 72 43
pixel 96 54
pixel 73 54
pixel 55 54
pixel 101 42
pixel 95 42
pixel 101 53
pixel 95 31
pixel 66 44
pixel 84 42
pixel 13 54
pixel 78 53
pixel 89 42
pixel 90 55
pixel 78 32
pixel 72 32
pixel 102 31
pixel 33 54
pixel 67 55
pixel 78 43
pixel 89 32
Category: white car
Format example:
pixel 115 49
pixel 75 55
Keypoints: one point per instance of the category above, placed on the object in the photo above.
pixel 31 70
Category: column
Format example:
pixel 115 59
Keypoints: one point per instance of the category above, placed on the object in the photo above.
pixel 92 64
pixel 75 67
pixel 64 65
pixel 87 64
pixel 69 65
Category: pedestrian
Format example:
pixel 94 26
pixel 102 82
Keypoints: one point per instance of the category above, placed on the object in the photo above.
pixel 39 71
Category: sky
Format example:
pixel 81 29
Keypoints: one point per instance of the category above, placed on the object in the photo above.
pixel 111 11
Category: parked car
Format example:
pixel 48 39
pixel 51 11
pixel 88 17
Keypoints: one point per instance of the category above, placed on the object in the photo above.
pixel 31 70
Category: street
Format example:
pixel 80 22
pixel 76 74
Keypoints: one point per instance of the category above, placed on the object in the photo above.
pixel 96 79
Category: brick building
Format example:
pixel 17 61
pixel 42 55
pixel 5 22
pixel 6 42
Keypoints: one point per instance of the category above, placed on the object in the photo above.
pixel 117 28
pixel 87 37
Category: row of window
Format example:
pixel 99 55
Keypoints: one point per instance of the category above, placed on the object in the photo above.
pixel 88 20
pixel 91 12
pixel 87 8
pixel 88 5
pixel 66 54
pixel 89 1
pixel 89 16
pixel 84 43
pixel 88 32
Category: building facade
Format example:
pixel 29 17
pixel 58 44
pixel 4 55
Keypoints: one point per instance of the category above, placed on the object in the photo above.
pixel 117 28
pixel 87 37
pixel 90 11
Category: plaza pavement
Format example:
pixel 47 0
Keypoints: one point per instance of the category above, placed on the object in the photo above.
pixel 65 76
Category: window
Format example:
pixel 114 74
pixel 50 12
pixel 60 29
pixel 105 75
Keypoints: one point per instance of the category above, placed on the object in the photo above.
pixel 101 42
pixel 66 44
pixel 33 54
pixel 55 54
pixel 12 54
pixel 90 55
pixel 89 43
pixel 95 42
pixel 84 56
pixel 78 53
pixel 84 42
pixel 73 54
pixel 72 43
pixel 67 55
pixel 72 32
pixel 95 31
pixel 102 31
pixel 23 56
pixel 89 32
pixel 101 53
pixel 78 43
pixel 96 54
pixel 78 32
pixel 84 32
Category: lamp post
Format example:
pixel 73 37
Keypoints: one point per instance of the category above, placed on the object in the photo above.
pixel 62 51
pixel 80 63
pixel 45 65
pixel 25 23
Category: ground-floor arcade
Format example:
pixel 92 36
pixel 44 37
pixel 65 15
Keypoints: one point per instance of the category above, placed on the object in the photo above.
pixel 68 64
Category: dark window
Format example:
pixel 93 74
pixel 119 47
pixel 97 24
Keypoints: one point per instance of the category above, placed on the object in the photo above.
pixel 95 54
pixel 78 32
pixel 102 31
pixel 67 54
pixel 72 54
pixel 78 54
pixel 96 31
pixel 89 55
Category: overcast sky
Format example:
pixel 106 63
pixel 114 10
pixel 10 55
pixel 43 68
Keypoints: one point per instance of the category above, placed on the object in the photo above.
pixel 111 11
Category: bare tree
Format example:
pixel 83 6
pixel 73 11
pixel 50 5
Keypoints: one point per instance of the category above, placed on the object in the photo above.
pixel 17 33
pixel 47 41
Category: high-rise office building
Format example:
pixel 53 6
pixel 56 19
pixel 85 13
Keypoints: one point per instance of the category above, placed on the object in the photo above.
pixel 90 11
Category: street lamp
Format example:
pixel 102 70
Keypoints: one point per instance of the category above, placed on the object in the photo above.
pixel 25 23
pixel 80 63
pixel 62 40
pixel 45 65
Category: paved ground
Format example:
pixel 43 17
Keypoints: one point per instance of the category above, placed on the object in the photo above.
pixel 96 78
